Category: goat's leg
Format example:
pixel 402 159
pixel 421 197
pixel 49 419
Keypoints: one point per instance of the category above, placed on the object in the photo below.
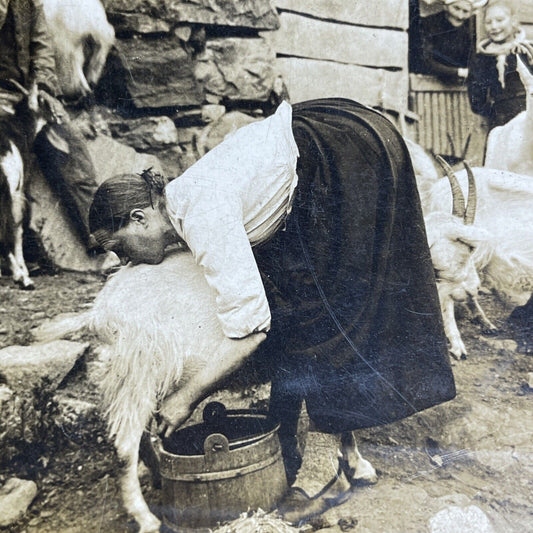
pixel 131 487
pixel 150 458
pixel 355 468
pixel 96 62
pixel 78 82
pixel 457 347
pixel 13 168
pixel 20 272
pixel 479 315
pixel 297 507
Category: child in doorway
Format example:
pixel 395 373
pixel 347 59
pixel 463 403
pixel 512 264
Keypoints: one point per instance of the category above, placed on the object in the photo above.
pixel 494 85
pixel 447 40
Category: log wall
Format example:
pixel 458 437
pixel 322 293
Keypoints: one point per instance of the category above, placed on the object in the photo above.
pixel 348 48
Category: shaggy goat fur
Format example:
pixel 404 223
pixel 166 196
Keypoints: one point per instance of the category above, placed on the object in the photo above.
pixel 157 334
pixel 504 256
pixel 12 206
pixel 160 328
pixel 510 147
pixel 82 38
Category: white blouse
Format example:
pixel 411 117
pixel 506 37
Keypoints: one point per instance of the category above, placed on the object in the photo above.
pixel 234 197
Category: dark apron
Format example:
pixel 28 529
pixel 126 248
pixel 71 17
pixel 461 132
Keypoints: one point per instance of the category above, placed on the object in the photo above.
pixel 356 324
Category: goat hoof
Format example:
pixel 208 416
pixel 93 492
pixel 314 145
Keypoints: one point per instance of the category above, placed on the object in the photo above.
pixel 26 286
pixel 153 526
pixel 365 475
pixel 490 332
pixel 463 357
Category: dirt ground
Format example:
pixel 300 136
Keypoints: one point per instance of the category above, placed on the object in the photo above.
pixel 476 450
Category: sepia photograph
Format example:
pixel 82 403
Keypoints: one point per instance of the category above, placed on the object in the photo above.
pixel 266 266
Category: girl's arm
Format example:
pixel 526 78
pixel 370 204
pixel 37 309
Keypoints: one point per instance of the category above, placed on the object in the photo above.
pixel 228 357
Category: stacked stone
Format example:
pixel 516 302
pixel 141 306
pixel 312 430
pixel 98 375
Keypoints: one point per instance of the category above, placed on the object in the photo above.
pixel 30 377
pixel 177 59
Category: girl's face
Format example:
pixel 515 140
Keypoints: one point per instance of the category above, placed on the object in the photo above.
pixel 458 12
pixel 499 24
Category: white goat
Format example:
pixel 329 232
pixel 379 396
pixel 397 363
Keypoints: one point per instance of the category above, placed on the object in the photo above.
pixel 497 247
pixel 12 190
pixel 160 327
pixel 77 27
pixel 12 207
pixel 510 147
pixel 426 170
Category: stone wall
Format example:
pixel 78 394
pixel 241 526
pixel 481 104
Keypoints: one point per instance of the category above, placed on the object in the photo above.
pixel 178 68
pixel 175 57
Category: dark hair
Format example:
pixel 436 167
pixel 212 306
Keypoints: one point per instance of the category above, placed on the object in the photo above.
pixel 117 196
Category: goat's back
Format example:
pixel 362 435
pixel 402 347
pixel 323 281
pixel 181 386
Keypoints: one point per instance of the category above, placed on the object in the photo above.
pixel 160 327
pixel 509 147
pixel 426 171
pixel 166 304
pixel 501 196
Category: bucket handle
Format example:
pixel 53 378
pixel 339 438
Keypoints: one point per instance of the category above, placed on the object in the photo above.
pixel 216 445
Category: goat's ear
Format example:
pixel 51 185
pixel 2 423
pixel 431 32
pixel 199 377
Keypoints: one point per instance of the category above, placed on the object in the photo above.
pixel 471 243
pixel 472 236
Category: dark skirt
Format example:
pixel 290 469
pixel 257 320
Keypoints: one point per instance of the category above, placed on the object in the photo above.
pixel 356 324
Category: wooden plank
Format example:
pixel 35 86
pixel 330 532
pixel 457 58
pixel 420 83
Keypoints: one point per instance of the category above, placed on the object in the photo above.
pixel 315 39
pixel 423 83
pixel 308 78
pixel 388 14
pixel 525 11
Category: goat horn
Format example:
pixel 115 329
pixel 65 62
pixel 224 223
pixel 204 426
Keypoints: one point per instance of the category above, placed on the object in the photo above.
pixel 470 211
pixel 458 208
pixel 466 146
pixel 452 145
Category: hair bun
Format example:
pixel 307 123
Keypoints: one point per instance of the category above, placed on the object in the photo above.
pixel 154 180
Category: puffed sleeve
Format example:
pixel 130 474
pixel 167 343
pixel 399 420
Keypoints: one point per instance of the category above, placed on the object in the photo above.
pixel 213 228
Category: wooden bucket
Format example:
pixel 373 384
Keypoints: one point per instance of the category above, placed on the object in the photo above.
pixel 214 471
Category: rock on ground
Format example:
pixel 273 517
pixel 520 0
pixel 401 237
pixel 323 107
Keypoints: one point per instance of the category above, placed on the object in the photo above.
pixel 15 497
pixel 470 519
pixel 31 374
pixel 39 366
pixel 79 420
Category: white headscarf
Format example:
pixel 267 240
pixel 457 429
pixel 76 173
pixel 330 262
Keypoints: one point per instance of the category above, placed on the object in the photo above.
pixel 501 51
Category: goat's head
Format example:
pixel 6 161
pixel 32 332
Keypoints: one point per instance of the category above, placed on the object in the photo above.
pixel 453 240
